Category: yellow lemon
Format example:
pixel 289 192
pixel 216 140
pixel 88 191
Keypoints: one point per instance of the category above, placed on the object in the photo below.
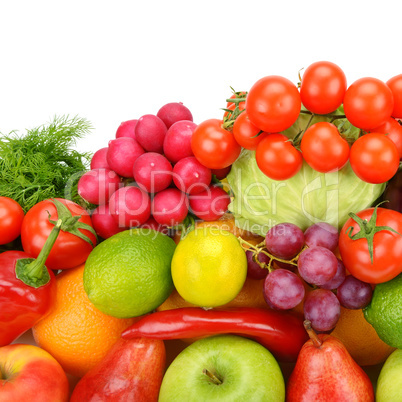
pixel 209 267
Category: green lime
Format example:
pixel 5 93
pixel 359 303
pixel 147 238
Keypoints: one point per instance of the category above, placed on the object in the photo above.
pixel 384 312
pixel 209 267
pixel 129 274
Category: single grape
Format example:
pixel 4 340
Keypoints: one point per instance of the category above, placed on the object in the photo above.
pixel 254 271
pixel 284 240
pixel 190 176
pixel 337 279
pixel 354 294
pixel 283 289
pixel 317 265
pixel 152 172
pixel 322 234
pixel 285 265
pixel 322 308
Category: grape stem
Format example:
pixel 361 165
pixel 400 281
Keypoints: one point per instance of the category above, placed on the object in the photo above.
pixel 260 248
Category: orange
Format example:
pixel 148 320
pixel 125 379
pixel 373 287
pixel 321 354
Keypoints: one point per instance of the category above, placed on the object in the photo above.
pixel 227 222
pixel 360 338
pixel 75 332
pixel 251 295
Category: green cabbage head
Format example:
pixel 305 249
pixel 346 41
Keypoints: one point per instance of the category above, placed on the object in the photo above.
pixel 308 197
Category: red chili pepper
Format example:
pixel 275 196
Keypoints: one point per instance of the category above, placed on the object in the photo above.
pixel 27 289
pixel 282 333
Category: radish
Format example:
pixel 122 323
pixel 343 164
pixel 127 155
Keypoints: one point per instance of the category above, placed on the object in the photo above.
pixel 130 206
pixel 121 155
pixel 127 129
pixel 173 112
pixel 99 160
pixel 170 207
pixel 152 172
pixel 97 185
pixel 103 222
pixel 177 143
pixel 190 176
pixel 220 174
pixel 150 132
pixel 210 204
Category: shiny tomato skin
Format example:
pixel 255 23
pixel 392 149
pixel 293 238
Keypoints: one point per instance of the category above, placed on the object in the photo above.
pixel 11 216
pixel 368 103
pixel 374 158
pixel 387 250
pixel 245 132
pixel 323 148
pixel 323 87
pixel 273 104
pixel 213 146
pixel 277 158
pixel 393 130
pixel 395 84
pixel 68 250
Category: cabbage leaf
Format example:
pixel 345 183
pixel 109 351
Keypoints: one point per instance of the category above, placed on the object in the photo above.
pixel 258 202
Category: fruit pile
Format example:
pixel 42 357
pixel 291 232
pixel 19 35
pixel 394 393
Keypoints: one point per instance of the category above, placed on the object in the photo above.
pixel 152 286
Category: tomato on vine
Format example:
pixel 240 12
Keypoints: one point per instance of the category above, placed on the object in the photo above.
pixel 277 158
pixel 374 158
pixel 323 148
pixel 370 244
pixel 213 146
pixel 323 87
pixel 273 104
pixel 393 131
pixel 395 84
pixel 368 103
pixel 246 133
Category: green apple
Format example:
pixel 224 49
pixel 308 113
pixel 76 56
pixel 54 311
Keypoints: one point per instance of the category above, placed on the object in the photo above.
pixel 389 385
pixel 223 368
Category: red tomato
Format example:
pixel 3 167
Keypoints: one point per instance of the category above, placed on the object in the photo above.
pixel 213 146
pixel 387 247
pixel 374 158
pixel 368 103
pixel 273 104
pixel 245 132
pixel 69 250
pixel 277 158
pixel 11 216
pixel 323 148
pixel 323 87
pixel 394 132
pixel 395 84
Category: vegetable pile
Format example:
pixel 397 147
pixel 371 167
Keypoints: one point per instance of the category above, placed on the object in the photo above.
pixel 304 170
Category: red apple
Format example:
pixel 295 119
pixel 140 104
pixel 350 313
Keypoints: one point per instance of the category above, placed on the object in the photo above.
pixel 27 372
pixel 131 371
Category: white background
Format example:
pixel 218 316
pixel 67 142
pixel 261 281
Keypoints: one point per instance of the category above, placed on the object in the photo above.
pixel 110 61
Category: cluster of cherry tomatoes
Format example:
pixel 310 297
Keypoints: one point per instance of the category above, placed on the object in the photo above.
pixel 256 120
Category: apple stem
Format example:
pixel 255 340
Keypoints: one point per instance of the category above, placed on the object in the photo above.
pixel 312 334
pixel 212 376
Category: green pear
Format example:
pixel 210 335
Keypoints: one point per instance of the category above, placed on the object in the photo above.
pixel 389 385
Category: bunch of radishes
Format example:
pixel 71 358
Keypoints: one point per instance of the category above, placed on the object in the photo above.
pixel 148 176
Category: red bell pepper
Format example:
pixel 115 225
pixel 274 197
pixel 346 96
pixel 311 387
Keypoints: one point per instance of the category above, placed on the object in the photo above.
pixel 282 333
pixel 27 289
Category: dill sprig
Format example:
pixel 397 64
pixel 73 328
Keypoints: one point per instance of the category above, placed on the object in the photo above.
pixel 42 163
